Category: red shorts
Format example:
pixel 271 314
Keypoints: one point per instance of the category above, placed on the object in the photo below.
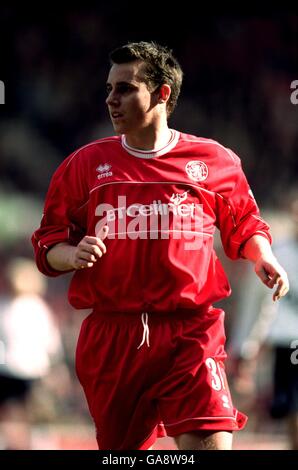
pixel 149 376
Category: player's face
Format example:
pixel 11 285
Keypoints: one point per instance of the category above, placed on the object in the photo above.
pixel 131 105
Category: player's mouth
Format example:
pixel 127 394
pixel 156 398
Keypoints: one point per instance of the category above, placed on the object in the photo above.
pixel 116 116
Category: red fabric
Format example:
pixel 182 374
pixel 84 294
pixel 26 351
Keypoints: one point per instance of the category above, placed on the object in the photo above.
pixel 175 385
pixel 146 272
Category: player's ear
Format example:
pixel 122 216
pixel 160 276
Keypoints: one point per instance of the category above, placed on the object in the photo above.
pixel 164 93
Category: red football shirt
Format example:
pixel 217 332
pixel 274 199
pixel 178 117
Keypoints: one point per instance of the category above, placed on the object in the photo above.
pixel 162 208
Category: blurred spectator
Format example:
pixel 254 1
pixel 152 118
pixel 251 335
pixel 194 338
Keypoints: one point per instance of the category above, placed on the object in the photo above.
pixel 275 327
pixel 30 345
pixel 238 72
pixel 283 335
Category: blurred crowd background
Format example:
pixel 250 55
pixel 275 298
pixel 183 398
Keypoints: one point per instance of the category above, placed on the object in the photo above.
pixel 237 90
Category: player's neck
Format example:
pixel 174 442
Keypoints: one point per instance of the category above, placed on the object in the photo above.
pixel 149 139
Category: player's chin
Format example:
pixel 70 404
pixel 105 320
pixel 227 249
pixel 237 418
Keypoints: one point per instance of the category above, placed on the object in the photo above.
pixel 119 127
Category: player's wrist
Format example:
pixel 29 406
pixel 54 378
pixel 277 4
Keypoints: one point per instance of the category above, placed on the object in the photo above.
pixel 266 257
pixel 71 257
pixel 258 248
pixel 61 257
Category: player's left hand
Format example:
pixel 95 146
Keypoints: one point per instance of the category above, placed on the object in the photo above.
pixel 271 273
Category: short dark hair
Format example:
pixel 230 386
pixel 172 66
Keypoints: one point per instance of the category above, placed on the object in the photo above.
pixel 160 66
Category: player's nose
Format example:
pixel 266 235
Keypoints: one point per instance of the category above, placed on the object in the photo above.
pixel 112 100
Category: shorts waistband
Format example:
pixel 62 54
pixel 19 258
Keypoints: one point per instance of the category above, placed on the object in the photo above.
pixel 153 314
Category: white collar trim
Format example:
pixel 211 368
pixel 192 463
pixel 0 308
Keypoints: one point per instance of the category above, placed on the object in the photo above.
pixel 154 152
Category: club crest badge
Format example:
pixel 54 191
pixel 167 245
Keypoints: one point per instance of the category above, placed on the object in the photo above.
pixel 196 170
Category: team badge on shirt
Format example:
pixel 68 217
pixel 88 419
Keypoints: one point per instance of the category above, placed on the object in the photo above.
pixel 196 170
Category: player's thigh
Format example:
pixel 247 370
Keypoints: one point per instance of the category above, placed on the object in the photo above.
pixel 205 440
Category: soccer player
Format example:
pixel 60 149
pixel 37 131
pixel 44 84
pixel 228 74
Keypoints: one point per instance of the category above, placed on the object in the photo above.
pixel 134 217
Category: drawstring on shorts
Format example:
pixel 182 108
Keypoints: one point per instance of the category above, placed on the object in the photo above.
pixel 145 330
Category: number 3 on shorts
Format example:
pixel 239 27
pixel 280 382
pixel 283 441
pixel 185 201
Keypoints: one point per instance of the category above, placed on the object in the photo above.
pixel 217 382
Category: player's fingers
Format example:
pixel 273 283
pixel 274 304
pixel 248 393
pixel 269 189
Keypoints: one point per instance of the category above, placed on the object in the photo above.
pixel 103 232
pixel 276 295
pixel 93 245
pixel 87 256
pixel 95 250
pixel 263 275
pixel 84 258
pixel 101 247
pixel 282 288
pixel 274 279
pixel 98 241
pixel 82 263
pixel 100 235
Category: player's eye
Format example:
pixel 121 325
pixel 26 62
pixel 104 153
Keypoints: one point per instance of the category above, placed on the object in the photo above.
pixel 124 88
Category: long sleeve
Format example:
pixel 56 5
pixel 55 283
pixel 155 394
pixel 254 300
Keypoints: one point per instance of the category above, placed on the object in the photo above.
pixel 64 217
pixel 238 213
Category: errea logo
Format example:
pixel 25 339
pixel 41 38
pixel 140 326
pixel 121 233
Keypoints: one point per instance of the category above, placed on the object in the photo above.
pixel 104 171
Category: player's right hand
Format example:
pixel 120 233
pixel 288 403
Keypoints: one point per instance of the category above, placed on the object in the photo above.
pixel 90 250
